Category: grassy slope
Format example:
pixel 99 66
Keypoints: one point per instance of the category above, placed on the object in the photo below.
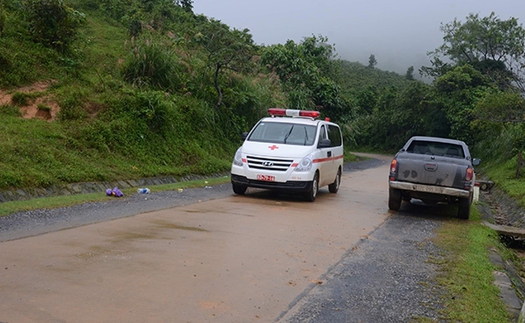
pixel 504 174
pixel 355 77
pixel 37 153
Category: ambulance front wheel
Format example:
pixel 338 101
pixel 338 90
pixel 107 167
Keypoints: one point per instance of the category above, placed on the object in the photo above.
pixel 239 189
pixel 313 187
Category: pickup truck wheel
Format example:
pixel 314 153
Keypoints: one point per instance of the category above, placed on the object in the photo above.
pixel 239 189
pixel 464 208
pixel 313 187
pixel 334 187
pixel 394 199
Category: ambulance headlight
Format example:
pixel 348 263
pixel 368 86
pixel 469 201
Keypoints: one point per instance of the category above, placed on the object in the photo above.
pixel 305 164
pixel 237 160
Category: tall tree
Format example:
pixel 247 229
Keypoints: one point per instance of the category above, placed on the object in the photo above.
pixel 53 23
pixel 410 73
pixel 458 91
pixel 3 18
pixel 227 50
pixel 186 4
pixel 305 71
pixel 493 46
pixel 372 62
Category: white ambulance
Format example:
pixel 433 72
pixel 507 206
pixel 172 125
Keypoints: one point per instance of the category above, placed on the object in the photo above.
pixel 292 150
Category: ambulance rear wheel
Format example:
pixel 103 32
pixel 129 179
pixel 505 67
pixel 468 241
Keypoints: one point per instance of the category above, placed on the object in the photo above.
pixel 313 187
pixel 239 189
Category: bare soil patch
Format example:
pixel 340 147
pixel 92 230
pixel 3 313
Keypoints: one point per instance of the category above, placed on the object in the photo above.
pixel 48 105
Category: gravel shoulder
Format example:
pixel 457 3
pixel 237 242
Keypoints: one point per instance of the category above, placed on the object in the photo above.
pixel 385 278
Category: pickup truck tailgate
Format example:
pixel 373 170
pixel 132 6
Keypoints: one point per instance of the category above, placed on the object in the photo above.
pixel 431 170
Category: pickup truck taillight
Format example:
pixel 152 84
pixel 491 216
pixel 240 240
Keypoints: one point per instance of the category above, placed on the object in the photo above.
pixel 393 170
pixel 468 178
pixel 469 175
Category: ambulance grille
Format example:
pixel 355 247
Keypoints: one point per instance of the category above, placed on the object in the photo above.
pixel 279 165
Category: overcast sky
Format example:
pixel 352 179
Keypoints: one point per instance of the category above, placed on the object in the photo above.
pixel 399 33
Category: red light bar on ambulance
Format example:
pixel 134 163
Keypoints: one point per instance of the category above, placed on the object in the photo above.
pixel 293 113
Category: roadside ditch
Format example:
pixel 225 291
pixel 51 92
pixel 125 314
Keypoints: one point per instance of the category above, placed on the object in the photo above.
pixel 498 208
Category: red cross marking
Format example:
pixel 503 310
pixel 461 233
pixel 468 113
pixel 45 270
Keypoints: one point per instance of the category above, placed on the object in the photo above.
pixel 273 147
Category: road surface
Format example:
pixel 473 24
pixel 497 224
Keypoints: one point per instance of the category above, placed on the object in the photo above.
pixel 262 257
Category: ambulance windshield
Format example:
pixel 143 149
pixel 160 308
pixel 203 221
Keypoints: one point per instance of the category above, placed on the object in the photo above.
pixel 284 133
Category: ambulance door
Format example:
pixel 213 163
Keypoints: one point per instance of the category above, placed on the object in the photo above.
pixel 323 159
pixel 336 145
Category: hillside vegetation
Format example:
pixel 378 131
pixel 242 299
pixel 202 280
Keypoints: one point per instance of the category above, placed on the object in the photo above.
pixel 138 88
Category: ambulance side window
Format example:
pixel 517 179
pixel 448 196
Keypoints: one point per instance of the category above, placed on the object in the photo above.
pixel 334 134
pixel 322 133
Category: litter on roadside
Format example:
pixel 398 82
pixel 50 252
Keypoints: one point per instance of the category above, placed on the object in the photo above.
pixel 114 192
pixel 144 190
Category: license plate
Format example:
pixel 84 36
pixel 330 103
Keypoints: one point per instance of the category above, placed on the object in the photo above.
pixel 266 178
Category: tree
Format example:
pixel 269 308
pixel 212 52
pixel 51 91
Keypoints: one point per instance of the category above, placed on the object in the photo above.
pixel 186 4
pixel 501 107
pixel 366 99
pixel 227 50
pixel 306 73
pixel 53 23
pixel 3 18
pixel 299 63
pixel 299 67
pixel 502 115
pixel 372 62
pixel 410 73
pixel 494 46
pixel 458 91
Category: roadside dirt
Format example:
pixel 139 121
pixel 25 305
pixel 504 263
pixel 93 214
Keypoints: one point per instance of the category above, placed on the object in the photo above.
pixel 32 110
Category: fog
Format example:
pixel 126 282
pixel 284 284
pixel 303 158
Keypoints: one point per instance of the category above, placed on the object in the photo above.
pixel 399 33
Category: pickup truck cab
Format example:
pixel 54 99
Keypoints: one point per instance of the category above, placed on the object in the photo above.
pixel 291 150
pixel 433 170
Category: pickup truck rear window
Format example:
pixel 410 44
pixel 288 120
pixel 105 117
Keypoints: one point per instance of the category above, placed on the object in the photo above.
pixel 436 149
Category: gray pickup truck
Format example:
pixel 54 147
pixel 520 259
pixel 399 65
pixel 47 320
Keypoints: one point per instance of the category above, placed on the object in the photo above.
pixel 433 170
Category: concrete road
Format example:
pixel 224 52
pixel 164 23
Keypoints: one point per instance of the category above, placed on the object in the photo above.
pixel 237 259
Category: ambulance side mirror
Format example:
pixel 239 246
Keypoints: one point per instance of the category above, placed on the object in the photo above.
pixel 244 136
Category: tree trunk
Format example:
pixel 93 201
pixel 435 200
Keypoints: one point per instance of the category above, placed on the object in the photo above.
pixel 217 87
pixel 520 163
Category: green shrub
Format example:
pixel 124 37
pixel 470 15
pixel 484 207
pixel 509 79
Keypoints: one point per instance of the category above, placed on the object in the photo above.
pixel 43 107
pixel 20 99
pixel 151 63
pixel 72 107
pixel 53 23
